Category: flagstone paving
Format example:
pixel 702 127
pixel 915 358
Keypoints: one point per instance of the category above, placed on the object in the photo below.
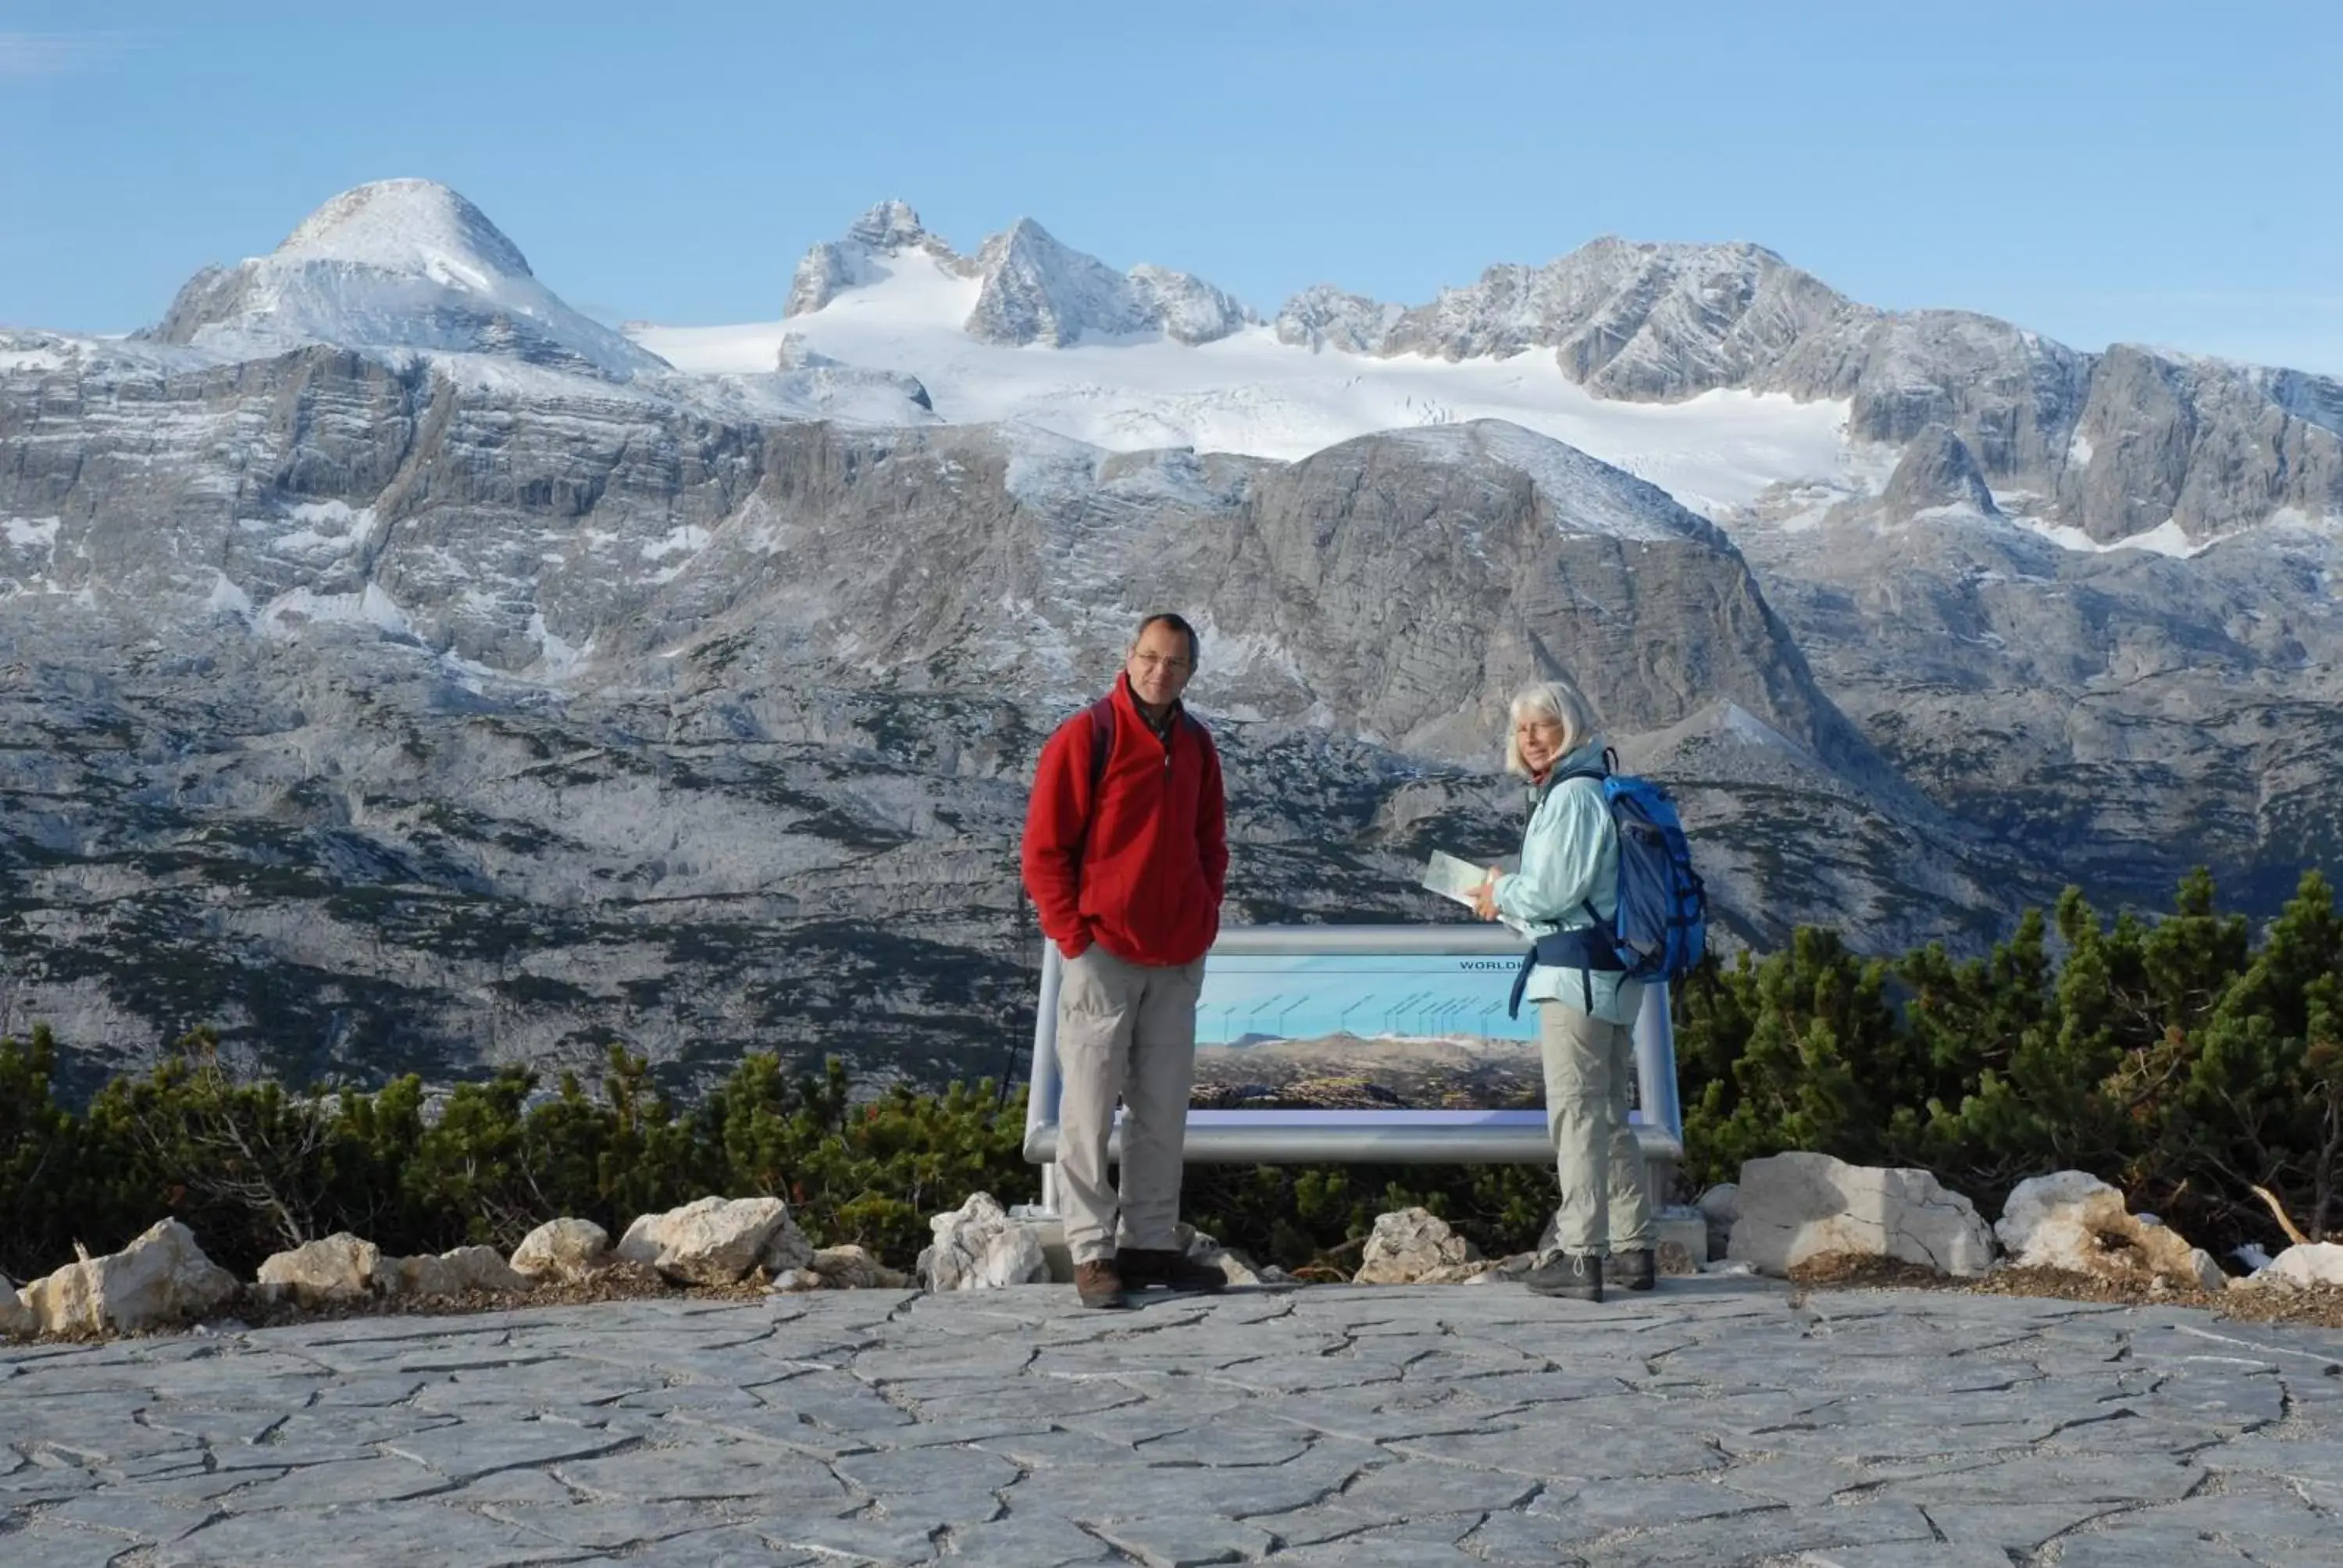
pixel 1716 1421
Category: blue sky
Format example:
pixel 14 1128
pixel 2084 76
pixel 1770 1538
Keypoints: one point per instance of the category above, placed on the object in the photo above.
pixel 2148 172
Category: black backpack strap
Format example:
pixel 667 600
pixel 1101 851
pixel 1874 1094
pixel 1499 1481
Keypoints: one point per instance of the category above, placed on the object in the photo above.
pixel 1101 714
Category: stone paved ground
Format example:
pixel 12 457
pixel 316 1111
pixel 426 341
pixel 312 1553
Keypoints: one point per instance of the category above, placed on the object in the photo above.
pixel 1716 1421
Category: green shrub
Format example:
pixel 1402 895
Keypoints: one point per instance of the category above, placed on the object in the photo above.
pixel 254 1170
pixel 2173 1058
pixel 2180 1058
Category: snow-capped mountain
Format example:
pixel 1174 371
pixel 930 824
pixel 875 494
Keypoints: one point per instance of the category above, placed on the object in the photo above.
pixel 1028 287
pixel 395 264
pixel 1738 381
pixel 1172 362
pixel 402 674
pixel 1649 321
pixel 883 235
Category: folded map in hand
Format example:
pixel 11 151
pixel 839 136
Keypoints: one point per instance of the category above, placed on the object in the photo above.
pixel 1453 879
pixel 1459 879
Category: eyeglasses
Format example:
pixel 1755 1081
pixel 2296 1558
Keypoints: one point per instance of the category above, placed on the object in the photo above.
pixel 1157 661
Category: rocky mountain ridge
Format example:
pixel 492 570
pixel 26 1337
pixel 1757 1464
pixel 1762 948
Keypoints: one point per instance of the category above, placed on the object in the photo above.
pixel 438 699
pixel 2117 445
pixel 1032 287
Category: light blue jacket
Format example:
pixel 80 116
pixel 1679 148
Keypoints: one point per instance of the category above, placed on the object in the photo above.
pixel 1570 857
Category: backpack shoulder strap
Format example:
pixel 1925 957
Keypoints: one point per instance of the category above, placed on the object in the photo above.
pixel 1101 714
pixel 1194 729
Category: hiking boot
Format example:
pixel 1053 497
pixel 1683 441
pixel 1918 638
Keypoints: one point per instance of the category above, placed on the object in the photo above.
pixel 1099 1284
pixel 1636 1271
pixel 1567 1274
pixel 1168 1267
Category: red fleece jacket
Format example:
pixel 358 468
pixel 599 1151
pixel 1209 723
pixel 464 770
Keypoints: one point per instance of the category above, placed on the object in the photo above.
pixel 1148 886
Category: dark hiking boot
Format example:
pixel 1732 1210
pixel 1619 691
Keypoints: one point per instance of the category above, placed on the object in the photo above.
pixel 1168 1267
pixel 1565 1274
pixel 1636 1271
pixel 1099 1284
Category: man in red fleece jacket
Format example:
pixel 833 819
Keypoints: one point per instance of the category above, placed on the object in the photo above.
pixel 1128 875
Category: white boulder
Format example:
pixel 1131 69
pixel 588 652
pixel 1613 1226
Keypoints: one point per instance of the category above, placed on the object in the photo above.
pixel 978 1246
pixel 717 1240
pixel 337 1268
pixel 1413 1246
pixel 1798 1206
pixel 452 1273
pixel 159 1279
pixel 2306 1263
pixel 566 1249
pixel 2074 1222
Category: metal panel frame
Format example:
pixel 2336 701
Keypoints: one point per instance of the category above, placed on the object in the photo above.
pixel 1380 1137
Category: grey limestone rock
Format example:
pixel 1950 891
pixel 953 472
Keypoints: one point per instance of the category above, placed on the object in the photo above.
pixel 162 1278
pixel 1800 1206
pixel 337 1268
pixel 717 1240
pixel 1411 1246
pixel 565 1249
pixel 978 1246
pixel 2070 1220
pixel 451 1274
pixel 1935 471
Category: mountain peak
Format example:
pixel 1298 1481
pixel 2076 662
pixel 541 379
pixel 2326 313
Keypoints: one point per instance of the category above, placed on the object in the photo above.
pixel 408 225
pixel 1627 318
pixel 890 226
pixel 1039 289
pixel 879 237
pixel 399 265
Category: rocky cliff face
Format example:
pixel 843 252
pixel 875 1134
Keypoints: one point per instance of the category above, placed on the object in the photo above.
pixel 2120 717
pixel 393 720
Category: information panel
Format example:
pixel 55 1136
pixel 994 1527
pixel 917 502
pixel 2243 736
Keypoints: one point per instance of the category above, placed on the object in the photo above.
pixel 1368 1043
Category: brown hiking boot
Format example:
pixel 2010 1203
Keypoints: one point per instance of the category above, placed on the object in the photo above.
pixel 1099 1284
pixel 1168 1267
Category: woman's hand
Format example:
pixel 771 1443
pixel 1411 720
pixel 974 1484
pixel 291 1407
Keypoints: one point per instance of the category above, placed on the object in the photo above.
pixel 1485 896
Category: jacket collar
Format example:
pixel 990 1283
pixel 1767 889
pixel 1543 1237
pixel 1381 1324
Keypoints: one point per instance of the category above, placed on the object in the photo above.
pixel 1128 700
pixel 1587 758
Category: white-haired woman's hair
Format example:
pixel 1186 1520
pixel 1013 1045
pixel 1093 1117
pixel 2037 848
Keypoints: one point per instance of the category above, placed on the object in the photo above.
pixel 1558 700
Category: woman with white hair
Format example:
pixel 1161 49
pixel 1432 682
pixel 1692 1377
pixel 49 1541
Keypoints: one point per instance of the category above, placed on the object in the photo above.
pixel 1568 881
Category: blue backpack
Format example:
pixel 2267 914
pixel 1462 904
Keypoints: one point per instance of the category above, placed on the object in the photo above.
pixel 1661 927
